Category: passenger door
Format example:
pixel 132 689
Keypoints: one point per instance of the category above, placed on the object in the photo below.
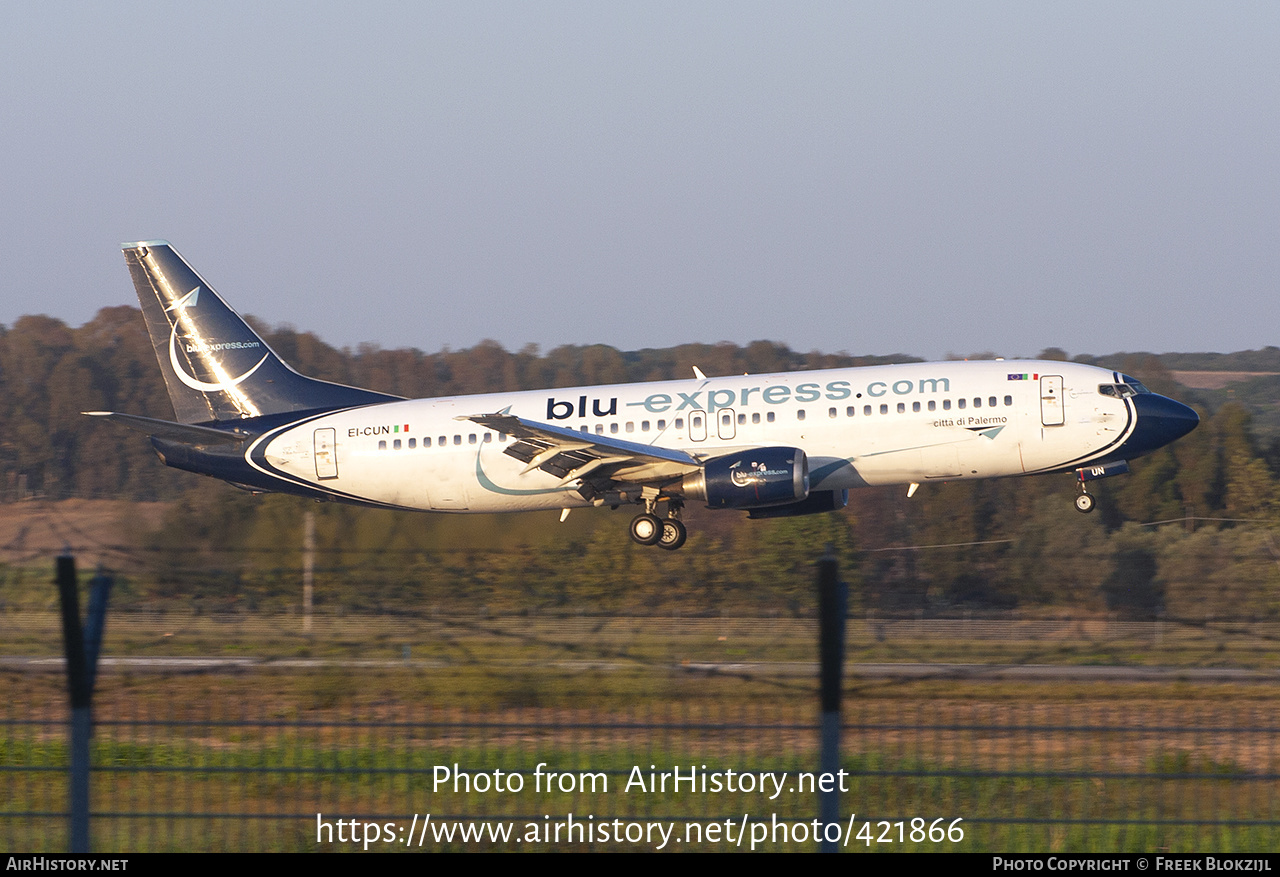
pixel 326 454
pixel 1051 412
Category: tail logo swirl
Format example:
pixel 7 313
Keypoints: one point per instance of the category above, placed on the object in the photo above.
pixel 189 301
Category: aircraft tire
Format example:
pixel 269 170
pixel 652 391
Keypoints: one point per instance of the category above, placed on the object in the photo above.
pixel 646 529
pixel 673 534
pixel 1084 503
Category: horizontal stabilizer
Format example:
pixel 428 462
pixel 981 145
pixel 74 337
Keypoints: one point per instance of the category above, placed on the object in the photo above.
pixel 180 432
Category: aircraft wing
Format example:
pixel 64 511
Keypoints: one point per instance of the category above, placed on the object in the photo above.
pixel 599 461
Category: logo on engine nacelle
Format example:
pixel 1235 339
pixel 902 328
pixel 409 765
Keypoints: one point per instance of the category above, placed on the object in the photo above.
pixel 758 474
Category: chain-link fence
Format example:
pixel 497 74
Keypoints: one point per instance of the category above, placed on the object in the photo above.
pixel 609 761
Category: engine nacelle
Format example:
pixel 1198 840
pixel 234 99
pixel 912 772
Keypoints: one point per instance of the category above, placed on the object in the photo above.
pixel 819 501
pixel 753 479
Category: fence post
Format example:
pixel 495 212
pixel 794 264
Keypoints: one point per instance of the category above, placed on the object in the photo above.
pixel 81 649
pixel 831 612
pixel 308 566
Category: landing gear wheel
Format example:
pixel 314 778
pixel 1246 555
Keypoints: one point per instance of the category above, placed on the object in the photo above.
pixel 673 534
pixel 646 529
pixel 1084 503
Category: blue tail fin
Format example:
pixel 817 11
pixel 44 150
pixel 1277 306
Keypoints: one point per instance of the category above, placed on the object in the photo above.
pixel 215 366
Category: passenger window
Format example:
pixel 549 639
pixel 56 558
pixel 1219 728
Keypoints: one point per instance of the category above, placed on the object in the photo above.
pixel 644 426
pixel 755 418
pixel 1008 400
pixel 488 437
pixel 444 440
pixel 662 424
pixel 800 414
pixel 613 428
pixel 471 439
pixel 933 406
pixel 831 412
pixel 742 419
pixel 991 402
pixel 426 442
pixel 960 404
pixel 866 410
pixel 679 423
pixel 946 404
pixel 382 445
pixel 902 407
pixel 884 409
pixel 977 401
pixel 395 445
pixel 849 412
pixel 631 427
pixel 769 417
pixel 599 429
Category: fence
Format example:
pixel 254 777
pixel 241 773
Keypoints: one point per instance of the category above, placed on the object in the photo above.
pixel 275 761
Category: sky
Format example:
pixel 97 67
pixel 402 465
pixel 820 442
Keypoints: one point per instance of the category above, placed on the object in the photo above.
pixel 927 178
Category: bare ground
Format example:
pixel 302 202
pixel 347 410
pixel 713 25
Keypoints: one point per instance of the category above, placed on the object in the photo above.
pixel 1214 380
pixel 40 527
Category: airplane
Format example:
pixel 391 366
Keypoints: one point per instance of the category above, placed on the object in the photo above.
pixel 771 445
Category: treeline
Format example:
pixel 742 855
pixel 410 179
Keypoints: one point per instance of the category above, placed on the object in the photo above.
pixel 978 546
pixel 50 372
pixel 1265 360
pixel 1007 543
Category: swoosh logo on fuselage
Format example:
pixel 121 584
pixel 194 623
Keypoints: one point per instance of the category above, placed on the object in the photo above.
pixel 487 483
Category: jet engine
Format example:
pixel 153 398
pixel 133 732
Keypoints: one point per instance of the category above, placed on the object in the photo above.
pixel 752 479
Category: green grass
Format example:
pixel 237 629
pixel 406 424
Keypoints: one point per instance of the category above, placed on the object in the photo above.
pixel 538 640
pixel 244 760
pixel 276 786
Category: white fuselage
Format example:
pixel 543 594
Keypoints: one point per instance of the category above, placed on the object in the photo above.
pixel 875 425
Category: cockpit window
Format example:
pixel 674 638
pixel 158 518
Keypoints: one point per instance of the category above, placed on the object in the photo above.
pixel 1122 391
pixel 1135 384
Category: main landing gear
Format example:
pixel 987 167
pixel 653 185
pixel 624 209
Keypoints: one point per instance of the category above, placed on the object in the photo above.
pixel 648 529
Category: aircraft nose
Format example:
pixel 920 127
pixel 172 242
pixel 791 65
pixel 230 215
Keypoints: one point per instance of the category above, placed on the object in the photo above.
pixel 1160 421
